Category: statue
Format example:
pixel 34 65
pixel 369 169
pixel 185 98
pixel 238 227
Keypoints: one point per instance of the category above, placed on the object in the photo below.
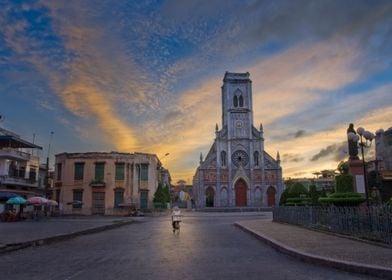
pixel 352 138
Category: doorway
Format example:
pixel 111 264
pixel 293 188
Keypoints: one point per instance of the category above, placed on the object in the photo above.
pixel 271 196
pixel 240 193
pixel 210 195
pixel 98 203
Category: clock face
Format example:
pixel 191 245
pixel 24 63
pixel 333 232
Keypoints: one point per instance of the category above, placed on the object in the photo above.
pixel 240 158
pixel 238 124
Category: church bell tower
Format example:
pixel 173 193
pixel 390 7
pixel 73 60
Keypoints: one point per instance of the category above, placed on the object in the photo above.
pixel 237 113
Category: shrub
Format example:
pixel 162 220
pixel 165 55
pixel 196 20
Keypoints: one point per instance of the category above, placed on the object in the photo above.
pixel 284 196
pixel 344 183
pixel 298 201
pixel 343 199
pixel 314 195
pixel 296 194
pixel 297 190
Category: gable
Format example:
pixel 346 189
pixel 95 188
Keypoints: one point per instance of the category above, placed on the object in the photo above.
pixel 270 162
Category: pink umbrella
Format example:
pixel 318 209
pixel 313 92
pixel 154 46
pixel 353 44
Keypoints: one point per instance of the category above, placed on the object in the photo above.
pixel 37 200
pixel 52 202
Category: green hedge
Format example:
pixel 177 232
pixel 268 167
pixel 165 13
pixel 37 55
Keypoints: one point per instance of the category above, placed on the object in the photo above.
pixel 345 195
pixel 297 189
pixel 343 199
pixel 344 184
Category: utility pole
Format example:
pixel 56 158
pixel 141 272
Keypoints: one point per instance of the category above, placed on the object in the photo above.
pixel 47 183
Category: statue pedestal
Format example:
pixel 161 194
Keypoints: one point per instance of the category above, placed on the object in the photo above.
pixel 356 170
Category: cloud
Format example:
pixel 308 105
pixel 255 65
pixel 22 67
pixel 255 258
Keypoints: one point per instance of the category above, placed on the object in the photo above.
pixel 338 150
pixel 299 133
pixel 329 146
pixel 292 158
pixel 295 78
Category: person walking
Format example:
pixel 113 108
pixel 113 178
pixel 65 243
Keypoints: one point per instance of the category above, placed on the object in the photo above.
pixel 176 218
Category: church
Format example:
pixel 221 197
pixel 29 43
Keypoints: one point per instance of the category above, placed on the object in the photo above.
pixel 237 172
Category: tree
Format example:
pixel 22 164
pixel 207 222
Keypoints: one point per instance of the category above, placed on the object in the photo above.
pixel 284 196
pixel 159 196
pixel 343 167
pixel 166 193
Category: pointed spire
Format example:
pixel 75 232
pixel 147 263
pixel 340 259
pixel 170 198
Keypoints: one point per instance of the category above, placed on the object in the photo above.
pixel 278 156
pixel 216 128
pixel 261 127
pixel 201 157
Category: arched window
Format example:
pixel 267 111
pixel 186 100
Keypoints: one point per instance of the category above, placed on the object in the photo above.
pixel 256 158
pixel 223 158
pixel 241 101
pixel 235 101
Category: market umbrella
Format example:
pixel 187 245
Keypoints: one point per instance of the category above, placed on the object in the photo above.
pixel 17 200
pixel 37 200
pixel 52 202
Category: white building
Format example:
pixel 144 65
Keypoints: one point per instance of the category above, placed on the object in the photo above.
pixel 19 168
pixel 237 171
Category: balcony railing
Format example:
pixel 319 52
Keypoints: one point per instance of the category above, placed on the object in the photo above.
pixel 97 183
pixel 18 181
pixel 14 154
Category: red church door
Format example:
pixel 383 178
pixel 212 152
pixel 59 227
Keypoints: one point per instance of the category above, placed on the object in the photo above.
pixel 240 193
pixel 271 196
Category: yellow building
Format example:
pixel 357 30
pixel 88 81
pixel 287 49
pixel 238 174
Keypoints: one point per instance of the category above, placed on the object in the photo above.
pixel 105 183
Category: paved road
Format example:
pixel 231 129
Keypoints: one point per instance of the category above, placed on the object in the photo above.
pixel 208 247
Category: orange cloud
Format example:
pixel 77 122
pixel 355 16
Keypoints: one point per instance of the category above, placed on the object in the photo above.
pixel 292 79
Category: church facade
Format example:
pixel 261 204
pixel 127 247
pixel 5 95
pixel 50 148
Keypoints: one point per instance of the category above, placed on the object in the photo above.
pixel 237 172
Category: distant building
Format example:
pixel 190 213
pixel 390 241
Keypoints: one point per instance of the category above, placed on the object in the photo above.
pixel 19 167
pixel 182 194
pixel 237 172
pixel 324 181
pixel 101 183
pixel 384 147
pixel 381 167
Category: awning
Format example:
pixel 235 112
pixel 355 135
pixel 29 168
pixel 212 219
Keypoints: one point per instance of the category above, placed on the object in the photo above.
pixel 10 141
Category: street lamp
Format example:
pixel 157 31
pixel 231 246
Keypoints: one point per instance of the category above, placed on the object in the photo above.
pixel 165 155
pixel 47 185
pixel 368 137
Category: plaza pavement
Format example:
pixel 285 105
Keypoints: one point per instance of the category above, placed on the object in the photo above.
pixel 308 245
pixel 322 248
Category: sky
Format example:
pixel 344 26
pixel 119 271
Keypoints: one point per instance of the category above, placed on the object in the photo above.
pixel 145 76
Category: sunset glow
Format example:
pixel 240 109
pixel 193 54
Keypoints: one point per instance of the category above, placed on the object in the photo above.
pixel 145 76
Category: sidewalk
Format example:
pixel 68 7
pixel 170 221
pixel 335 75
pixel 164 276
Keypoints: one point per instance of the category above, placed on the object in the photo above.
pixel 17 235
pixel 323 248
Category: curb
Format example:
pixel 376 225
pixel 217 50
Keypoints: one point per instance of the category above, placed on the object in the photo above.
pixel 371 242
pixel 57 238
pixel 373 270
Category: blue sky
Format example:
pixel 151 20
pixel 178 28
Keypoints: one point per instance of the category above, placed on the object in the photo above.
pixel 145 76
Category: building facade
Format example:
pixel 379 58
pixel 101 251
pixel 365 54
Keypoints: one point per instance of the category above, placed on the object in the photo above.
pixel 103 183
pixel 324 181
pixel 381 167
pixel 19 167
pixel 237 172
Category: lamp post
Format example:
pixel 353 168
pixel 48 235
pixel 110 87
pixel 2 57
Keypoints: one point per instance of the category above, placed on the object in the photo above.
pixel 365 139
pixel 47 165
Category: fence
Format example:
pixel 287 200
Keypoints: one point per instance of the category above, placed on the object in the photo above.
pixel 373 223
